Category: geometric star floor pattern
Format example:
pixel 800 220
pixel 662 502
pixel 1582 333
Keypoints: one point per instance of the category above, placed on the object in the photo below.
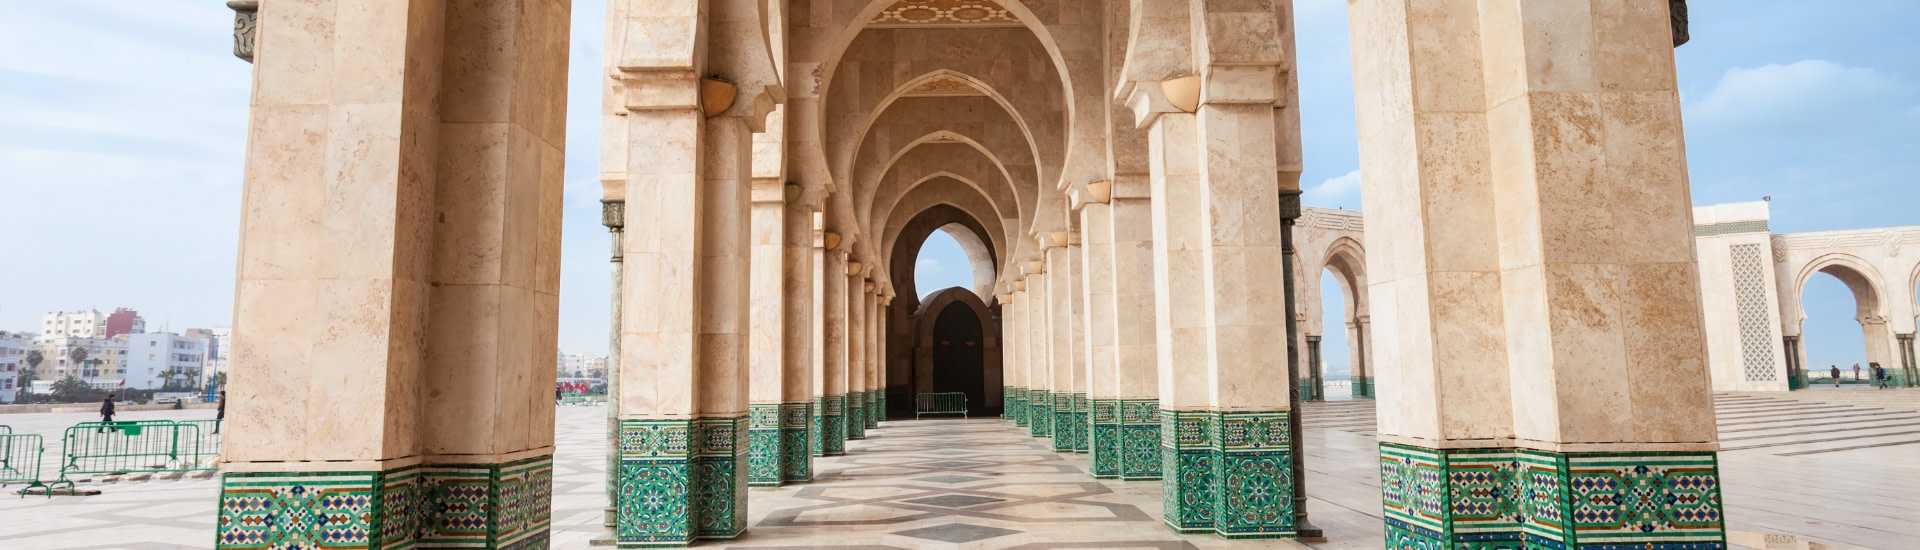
pixel 1813 469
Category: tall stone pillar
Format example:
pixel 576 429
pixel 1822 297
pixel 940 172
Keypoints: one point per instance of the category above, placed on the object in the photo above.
pixel 1136 369
pixel 397 279
pixel 778 445
pixel 1061 351
pixel 1040 374
pixel 1103 391
pixel 1014 396
pixel 796 388
pixel 1526 190
pixel 830 366
pixel 856 414
pixel 876 358
pixel 1358 349
pixel 613 214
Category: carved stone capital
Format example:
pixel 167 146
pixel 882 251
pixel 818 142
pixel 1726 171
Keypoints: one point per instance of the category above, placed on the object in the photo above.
pixel 246 20
pixel 1289 205
pixel 613 214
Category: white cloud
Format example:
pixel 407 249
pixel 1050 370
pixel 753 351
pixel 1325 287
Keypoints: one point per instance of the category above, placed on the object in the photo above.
pixel 1810 96
pixel 1340 192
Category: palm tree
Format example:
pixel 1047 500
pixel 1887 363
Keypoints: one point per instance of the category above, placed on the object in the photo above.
pixel 71 389
pixel 78 357
pixel 34 358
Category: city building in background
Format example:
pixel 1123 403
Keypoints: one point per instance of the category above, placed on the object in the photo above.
pixel 163 360
pixel 13 363
pixel 91 323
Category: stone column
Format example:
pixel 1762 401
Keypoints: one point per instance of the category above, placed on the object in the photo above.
pixel 1573 372
pixel 613 214
pixel 778 425
pixel 797 391
pixel 397 278
pixel 1220 320
pixel 876 359
pixel 856 414
pixel 1103 390
pixel 1039 374
pixel 1077 342
pixel 830 366
pixel 1360 376
pixel 1135 359
pixel 1014 396
pixel 1314 379
pixel 1060 350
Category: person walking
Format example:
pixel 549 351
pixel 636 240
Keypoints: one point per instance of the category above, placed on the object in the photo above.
pixel 1834 371
pixel 1880 376
pixel 106 414
pixel 220 414
pixel 1856 372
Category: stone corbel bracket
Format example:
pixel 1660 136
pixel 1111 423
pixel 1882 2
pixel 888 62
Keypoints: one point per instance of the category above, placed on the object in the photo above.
pixel 246 21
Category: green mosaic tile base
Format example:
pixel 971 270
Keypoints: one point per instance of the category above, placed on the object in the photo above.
pixel 1228 473
pixel 1362 386
pixel 1082 424
pixel 428 506
pixel 779 450
pixel 1040 413
pixel 682 480
pixel 1016 407
pixel 1124 439
pixel 878 410
pixel 830 415
pixel 1508 498
pixel 1066 433
pixel 856 417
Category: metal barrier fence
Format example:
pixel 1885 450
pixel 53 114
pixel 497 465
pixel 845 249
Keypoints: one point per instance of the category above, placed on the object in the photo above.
pixel 136 446
pixel 20 460
pixel 940 403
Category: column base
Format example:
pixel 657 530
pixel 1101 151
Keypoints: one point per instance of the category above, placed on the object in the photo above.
pixel 1040 413
pixel 778 444
pixel 1125 439
pixel 682 481
pixel 856 417
pixel 829 425
pixel 1082 424
pixel 876 408
pixel 429 506
pixel 1015 407
pixel 1514 498
pixel 1228 473
pixel 1065 431
pixel 1362 386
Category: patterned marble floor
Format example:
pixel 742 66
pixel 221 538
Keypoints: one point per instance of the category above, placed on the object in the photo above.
pixel 1813 469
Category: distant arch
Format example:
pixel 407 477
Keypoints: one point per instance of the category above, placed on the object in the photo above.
pixel 928 348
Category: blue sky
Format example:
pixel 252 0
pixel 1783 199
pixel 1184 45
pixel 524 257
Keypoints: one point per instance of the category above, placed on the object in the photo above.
pixel 122 133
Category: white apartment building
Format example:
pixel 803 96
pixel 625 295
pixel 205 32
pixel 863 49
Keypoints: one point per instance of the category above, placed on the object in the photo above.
pixel 581 365
pixel 74 324
pixel 104 365
pixel 219 347
pixel 154 360
pixel 13 358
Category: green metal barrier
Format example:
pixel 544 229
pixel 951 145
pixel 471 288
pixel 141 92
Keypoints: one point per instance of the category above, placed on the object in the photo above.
pixel 940 403
pixel 138 446
pixel 20 460
pixel 210 436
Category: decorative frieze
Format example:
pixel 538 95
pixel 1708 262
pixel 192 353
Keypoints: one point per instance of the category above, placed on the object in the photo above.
pixel 944 13
pixel 682 480
pixel 477 505
pixel 1228 473
pixel 1508 498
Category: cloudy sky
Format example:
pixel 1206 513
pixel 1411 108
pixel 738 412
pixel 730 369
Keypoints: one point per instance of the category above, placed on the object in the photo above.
pixel 122 128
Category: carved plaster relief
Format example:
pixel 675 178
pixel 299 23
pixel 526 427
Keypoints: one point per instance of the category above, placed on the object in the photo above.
pixel 945 13
pixel 944 86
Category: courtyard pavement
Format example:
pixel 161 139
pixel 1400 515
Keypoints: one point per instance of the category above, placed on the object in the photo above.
pixel 1810 469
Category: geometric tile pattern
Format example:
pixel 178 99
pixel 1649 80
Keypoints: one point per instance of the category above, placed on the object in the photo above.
pixel 1508 498
pixel 1082 423
pixel 1040 412
pixel 480 505
pixel 1066 432
pixel 876 408
pixel 830 426
pixel 763 442
pixel 796 431
pixel 682 480
pixel 856 418
pixel 1229 473
pixel 1016 407
pixel 1125 439
pixel 944 13
pixel 1750 293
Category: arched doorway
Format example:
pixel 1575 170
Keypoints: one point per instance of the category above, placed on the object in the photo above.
pixel 1823 344
pixel 957 356
pixel 955 350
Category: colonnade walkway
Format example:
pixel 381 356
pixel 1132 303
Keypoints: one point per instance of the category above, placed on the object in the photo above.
pixel 1831 467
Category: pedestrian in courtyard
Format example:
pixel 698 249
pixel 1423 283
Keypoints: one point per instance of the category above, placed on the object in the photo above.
pixel 1835 373
pixel 220 414
pixel 1856 372
pixel 106 414
pixel 1880 375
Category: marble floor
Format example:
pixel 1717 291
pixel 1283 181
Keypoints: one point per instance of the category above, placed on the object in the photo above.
pixel 1811 469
